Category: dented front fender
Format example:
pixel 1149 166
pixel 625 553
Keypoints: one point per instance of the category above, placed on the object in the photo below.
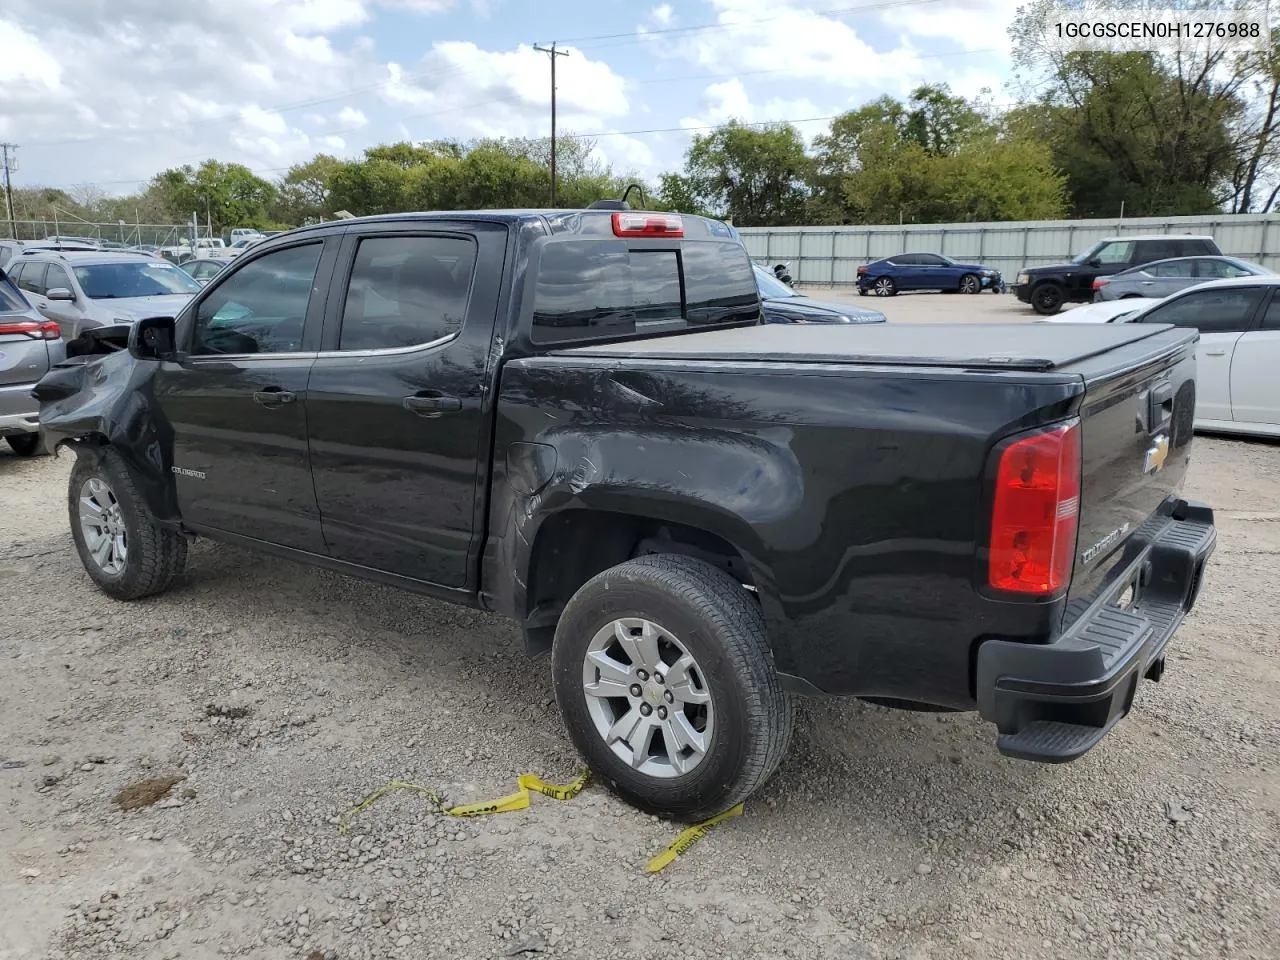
pixel 89 401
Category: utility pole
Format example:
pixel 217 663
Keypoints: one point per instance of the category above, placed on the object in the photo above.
pixel 10 164
pixel 553 52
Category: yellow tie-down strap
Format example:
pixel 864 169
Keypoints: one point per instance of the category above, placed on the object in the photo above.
pixel 527 783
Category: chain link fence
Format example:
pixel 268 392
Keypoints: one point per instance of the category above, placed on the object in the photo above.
pixel 126 234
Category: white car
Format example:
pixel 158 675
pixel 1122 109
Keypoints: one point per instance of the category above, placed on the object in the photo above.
pixel 1237 387
pixel 1107 311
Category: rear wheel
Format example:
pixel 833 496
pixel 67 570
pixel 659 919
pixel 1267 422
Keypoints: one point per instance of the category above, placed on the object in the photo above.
pixel 884 287
pixel 664 675
pixel 24 444
pixel 124 551
pixel 970 283
pixel 1047 299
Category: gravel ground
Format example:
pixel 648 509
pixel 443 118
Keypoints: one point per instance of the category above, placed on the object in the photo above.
pixel 281 695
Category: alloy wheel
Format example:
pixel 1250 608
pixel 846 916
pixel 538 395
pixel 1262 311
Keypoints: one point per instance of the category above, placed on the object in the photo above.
pixel 647 698
pixel 103 527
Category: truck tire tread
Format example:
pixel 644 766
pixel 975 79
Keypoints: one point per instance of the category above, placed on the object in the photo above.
pixel 732 617
pixel 157 555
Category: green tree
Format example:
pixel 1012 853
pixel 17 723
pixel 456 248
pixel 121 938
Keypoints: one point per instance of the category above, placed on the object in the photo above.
pixel 302 195
pixel 759 177
pixel 225 195
pixel 1185 130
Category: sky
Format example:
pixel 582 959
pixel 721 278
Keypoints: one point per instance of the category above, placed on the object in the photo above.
pixel 110 92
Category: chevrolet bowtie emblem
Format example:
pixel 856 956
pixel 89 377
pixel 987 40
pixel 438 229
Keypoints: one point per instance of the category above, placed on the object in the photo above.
pixel 1157 455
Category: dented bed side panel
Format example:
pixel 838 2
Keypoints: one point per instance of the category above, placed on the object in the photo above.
pixel 109 399
pixel 851 493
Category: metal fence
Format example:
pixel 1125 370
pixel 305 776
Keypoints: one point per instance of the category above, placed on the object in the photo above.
pixel 130 234
pixel 831 255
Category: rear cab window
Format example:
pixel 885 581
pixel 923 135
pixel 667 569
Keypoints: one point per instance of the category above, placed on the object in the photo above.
pixel 592 288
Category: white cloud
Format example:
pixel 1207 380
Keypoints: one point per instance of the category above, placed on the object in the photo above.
pixel 729 100
pixel 794 44
pixel 663 14
pixel 351 117
pixel 507 93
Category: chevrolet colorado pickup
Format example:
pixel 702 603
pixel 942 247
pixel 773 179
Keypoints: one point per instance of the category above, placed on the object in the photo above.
pixel 578 420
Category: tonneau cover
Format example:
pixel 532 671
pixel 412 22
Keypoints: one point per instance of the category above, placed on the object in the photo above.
pixel 998 346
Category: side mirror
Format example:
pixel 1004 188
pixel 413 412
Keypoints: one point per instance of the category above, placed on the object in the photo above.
pixel 153 339
pixel 59 293
pixel 1093 262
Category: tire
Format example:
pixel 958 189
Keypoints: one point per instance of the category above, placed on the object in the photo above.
pixel 24 444
pixel 884 287
pixel 970 283
pixel 693 605
pixel 1047 299
pixel 153 555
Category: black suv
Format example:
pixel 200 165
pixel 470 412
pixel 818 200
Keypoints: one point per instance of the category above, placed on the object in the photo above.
pixel 1048 288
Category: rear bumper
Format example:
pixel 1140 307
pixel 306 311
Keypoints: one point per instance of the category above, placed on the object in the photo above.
pixel 19 411
pixel 1053 702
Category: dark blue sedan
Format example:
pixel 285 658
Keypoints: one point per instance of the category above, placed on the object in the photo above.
pixel 783 305
pixel 925 271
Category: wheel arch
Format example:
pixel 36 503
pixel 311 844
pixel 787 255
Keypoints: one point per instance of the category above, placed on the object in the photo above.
pixel 571 546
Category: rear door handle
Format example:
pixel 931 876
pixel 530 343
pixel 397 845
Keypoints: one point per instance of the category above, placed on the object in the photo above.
pixel 1215 353
pixel 272 397
pixel 430 403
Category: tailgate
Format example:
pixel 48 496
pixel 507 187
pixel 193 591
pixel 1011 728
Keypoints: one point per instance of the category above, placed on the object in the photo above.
pixel 1136 430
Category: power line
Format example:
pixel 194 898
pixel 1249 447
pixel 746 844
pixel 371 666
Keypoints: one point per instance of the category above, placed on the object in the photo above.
pixel 641 36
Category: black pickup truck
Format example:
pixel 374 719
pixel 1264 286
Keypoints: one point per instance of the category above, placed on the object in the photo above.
pixel 578 420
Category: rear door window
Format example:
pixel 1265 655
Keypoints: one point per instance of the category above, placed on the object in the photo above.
pixel 406 291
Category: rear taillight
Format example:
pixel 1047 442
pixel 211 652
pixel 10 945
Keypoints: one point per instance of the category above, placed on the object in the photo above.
pixel 861 270
pixel 35 329
pixel 1100 283
pixel 1036 513
pixel 647 225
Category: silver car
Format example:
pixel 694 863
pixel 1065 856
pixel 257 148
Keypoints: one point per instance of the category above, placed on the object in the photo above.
pixel 1163 277
pixel 84 290
pixel 29 346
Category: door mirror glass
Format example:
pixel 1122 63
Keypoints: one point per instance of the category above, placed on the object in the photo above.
pixel 153 339
pixel 1093 262
pixel 60 293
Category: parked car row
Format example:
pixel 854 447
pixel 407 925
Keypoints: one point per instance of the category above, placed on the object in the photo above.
pixel 1238 352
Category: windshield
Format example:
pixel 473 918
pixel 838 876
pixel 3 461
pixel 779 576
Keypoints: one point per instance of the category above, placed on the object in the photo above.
pixel 145 278
pixel 771 286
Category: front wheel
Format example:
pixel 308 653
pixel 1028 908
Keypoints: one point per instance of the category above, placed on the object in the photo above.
pixel 664 675
pixel 1047 299
pixel 24 444
pixel 969 283
pixel 124 551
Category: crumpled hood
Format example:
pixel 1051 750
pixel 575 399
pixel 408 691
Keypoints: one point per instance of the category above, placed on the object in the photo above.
pixel 804 310
pixel 138 308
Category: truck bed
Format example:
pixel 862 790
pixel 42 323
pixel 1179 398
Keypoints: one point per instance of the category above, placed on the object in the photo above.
pixel 982 346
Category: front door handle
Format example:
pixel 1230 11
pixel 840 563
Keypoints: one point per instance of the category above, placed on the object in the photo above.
pixel 431 403
pixel 1215 353
pixel 1147 283
pixel 272 397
